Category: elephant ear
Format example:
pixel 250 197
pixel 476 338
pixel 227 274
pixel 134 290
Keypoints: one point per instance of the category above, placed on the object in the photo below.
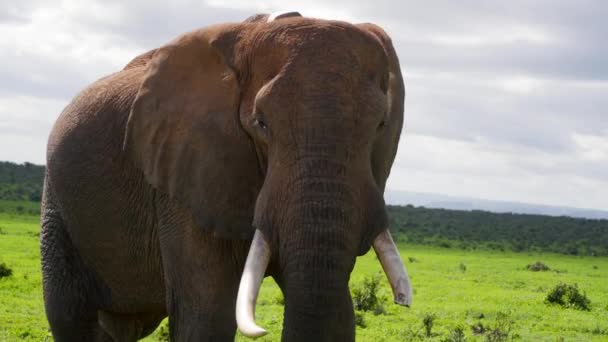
pixel 185 134
pixel 385 147
pixel 141 60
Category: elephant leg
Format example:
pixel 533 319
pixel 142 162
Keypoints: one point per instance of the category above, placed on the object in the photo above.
pixel 71 292
pixel 129 327
pixel 202 275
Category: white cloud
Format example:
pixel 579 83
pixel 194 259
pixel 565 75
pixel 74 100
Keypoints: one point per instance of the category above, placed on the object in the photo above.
pixel 521 84
pixel 517 34
pixel 25 123
pixel 593 147
pixel 317 9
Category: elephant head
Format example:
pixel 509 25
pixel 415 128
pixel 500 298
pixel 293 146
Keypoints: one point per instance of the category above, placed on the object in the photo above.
pixel 283 128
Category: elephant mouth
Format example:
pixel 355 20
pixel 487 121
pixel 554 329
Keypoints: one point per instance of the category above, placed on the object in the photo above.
pixel 259 258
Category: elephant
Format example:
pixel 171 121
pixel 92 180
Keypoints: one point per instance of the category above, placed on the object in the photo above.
pixel 234 152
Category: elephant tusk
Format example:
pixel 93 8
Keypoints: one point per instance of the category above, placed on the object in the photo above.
pixel 251 280
pixel 280 15
pixel 389 257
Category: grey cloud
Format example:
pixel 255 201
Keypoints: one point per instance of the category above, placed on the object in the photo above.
pixel 7 18
pixel 572 62
pixel 454 89
pixel 144 25
pixel 45 76
pixel 17 12
pixel 468 107
pixel 576 27
pixel 149 24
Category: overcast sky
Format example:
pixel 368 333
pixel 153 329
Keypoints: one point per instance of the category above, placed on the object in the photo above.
pixel 505 100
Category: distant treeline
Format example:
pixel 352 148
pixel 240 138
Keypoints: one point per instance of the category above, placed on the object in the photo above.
pixel 439 227
pixel 21 182
pixel 517 232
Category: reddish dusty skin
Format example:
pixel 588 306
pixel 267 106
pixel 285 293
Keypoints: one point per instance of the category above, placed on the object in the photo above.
pixel 159 174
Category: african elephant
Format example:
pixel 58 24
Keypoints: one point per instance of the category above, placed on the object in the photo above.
pixel 234 152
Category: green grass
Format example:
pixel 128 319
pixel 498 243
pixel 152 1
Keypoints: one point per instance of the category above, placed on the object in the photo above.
pixel 21 306
pixel 491 284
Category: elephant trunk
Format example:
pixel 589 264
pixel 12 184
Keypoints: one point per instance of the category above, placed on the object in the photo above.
pixel 317 254
pixel 318 306
pixel 251 280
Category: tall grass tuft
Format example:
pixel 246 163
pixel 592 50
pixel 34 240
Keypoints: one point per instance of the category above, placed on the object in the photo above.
pixel 428 321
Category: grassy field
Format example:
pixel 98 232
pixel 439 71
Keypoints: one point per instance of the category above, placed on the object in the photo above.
pixel 489 290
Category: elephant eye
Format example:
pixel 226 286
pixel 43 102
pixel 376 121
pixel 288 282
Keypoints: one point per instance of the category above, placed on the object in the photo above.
pixel 381 124
pixel 261 124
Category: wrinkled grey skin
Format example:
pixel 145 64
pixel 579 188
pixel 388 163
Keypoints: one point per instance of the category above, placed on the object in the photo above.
pixel 158 175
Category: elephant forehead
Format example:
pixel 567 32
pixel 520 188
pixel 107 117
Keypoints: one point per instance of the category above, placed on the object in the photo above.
pixel 333 43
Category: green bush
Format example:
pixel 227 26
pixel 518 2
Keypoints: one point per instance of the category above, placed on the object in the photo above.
pixel 360 320
pixel 500 332
pixel 5 271
pixel 162 333
pixel 538 266
pixel 478 328
pixel 568 296
pixel 366 298
pixel 279 299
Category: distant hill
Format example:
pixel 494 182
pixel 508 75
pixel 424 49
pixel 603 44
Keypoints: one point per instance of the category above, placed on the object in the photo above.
pixel 430 200
pixel 21 182
pixel 501 231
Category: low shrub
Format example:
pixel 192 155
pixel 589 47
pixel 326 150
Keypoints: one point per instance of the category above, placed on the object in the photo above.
pixel 478 328
pixel 279 299
pixel 445 244
pixel 162 334
pixel 599 331
pixel 500 332
pixel 5 271
pixel 456 335
pixel 366 297
pixel 568 296
pixel 360 320
pixel 538 266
